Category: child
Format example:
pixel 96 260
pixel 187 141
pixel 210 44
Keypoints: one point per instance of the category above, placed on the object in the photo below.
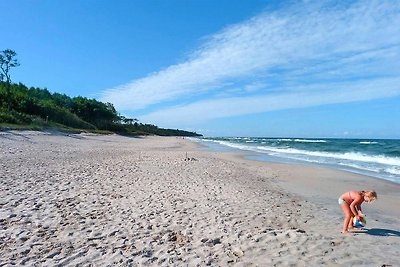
pixel 351 206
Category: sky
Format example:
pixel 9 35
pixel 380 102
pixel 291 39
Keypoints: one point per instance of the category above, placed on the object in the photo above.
pixel 220 68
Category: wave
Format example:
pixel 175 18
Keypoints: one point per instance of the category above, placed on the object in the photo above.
pixel 386 166
pixel 233 145
pixel 393 170
pixel 309 141
pixel 295 140
pixel 371 168
pixel 354 156
pixel 376 169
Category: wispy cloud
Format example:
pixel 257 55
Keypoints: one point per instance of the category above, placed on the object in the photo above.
pixel 304 55
pixel 296 97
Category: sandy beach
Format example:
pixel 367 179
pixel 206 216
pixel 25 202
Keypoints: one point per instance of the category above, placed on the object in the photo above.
pixel 84 199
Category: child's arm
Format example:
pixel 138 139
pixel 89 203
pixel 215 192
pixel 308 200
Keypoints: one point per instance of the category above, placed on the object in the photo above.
pixel 360 212
pixel 356 203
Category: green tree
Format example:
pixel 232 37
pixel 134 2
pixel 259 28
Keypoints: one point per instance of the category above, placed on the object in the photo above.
pixel 7 61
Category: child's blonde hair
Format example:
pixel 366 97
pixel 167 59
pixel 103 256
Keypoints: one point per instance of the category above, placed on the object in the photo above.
pixel 370 194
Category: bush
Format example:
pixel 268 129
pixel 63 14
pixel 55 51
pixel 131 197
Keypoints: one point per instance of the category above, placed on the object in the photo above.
pixel 6 117
pixel 14 117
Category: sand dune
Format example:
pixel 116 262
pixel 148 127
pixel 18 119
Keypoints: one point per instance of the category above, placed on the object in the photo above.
pixel 69 200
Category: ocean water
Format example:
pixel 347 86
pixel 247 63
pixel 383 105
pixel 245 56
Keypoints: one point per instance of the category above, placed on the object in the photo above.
pixel 375 157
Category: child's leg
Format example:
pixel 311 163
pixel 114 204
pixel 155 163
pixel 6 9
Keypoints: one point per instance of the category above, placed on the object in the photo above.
pixel 347 213
pixel 350 226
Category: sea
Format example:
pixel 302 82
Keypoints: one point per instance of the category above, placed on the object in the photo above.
pixel 379 158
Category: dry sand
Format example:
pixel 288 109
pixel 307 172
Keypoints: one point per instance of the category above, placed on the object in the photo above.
pixel 69 200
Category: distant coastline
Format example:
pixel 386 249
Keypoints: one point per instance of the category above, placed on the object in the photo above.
pixel 23 108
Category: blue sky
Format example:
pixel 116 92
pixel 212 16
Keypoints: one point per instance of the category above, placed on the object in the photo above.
pixel 222 68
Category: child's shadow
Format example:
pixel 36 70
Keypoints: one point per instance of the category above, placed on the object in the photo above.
pixel 378 232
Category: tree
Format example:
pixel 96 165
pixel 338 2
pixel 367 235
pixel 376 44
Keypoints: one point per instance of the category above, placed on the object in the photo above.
pixel 7 61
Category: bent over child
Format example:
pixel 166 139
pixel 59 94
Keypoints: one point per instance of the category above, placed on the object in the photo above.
pixel 350 202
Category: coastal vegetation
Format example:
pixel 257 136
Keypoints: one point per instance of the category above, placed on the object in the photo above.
pixel 37 108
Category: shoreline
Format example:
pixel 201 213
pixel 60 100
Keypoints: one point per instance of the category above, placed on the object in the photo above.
pixel 254 154
pixel 313 175
pixel 92 199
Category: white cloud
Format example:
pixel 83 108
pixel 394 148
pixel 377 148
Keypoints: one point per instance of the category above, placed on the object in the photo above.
pixel 297 53
pixel 253 87
pixel 298 97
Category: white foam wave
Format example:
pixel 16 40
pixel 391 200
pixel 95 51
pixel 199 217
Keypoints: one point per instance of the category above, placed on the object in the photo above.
pixel 379 164
pixel 344 156
pixel 309 141
pixel 393 170
pixel 353 156
pixel 375 169
pixel 368 142
pixel 233 145
pixel 210 140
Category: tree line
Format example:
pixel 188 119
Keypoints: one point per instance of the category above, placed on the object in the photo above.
pixel 21 105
